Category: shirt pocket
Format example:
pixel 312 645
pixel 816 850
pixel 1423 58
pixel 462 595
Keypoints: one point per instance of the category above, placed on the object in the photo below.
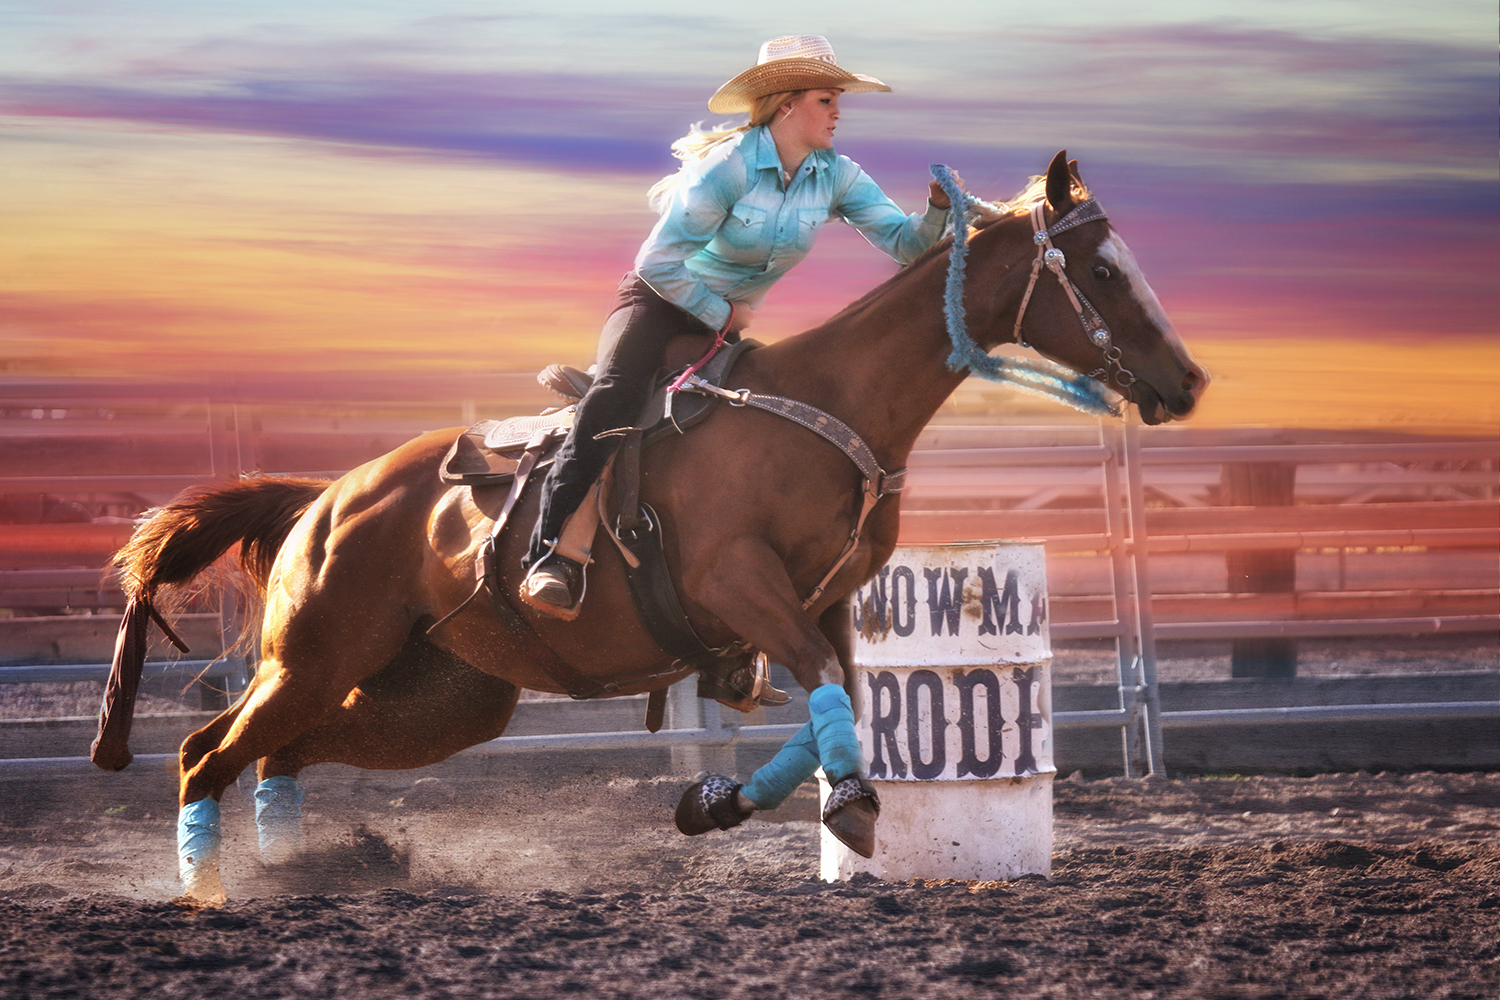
pixel 744 229
pixel 809 221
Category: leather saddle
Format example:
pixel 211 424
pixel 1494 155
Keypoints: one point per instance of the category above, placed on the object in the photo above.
pixel 488 453
pixel 491 452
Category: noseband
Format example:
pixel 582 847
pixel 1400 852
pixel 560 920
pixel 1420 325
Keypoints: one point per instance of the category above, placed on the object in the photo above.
pixel 1085 392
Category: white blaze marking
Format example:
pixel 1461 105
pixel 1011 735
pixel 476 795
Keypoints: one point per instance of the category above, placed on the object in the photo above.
pixel 1119 258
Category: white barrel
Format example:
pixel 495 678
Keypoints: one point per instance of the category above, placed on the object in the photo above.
pixel 953 708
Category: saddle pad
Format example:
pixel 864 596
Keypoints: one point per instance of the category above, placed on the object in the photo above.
pixel 487 453
pixel 689 408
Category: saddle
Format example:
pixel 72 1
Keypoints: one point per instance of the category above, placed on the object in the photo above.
pixel 507 452
pixel 488 453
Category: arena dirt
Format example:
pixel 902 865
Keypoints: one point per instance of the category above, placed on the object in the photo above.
pixel 1378 886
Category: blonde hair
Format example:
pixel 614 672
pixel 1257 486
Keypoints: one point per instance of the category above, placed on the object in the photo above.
pixel 697 144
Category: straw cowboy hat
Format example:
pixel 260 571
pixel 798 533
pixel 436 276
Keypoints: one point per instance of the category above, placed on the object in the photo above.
pixel 792 62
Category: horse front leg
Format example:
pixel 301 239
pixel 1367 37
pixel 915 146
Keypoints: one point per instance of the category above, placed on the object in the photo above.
pixel 749 590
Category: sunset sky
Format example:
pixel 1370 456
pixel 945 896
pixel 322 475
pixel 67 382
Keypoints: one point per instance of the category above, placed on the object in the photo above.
pixel 380 186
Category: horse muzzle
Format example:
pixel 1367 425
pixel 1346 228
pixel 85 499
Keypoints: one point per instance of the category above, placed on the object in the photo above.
pixel 1158 407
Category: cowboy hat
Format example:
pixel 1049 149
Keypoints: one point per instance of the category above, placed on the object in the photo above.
pixel 792 62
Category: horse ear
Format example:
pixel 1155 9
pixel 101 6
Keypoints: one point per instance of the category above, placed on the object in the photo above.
pixel 1073 170
pixel 1060 184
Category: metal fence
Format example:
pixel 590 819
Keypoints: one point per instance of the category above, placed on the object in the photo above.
pixel 1152 500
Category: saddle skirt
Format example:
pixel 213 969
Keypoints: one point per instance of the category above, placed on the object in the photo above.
pixel 487 453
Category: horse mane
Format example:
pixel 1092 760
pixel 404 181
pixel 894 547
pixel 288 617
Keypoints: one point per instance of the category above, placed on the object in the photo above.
pixel 1018 204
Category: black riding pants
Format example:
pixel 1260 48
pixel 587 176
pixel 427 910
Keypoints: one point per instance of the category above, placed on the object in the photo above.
pixel 630 352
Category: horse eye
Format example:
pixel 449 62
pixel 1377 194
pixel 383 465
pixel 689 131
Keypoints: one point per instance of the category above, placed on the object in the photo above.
pixel 1102 273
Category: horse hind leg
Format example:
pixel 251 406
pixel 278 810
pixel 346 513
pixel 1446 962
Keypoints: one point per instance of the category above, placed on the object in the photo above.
pixel 278 708
pixel 198 832
pixel 422 707
pixel 278 818
pixel 201 741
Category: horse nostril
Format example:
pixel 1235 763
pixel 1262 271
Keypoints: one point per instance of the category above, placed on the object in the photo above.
pixel 1194 380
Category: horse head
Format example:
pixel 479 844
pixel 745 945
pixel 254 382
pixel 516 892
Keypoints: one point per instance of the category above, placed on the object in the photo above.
pixel 1110 325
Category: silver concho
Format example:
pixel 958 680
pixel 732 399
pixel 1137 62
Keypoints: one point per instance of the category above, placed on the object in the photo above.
pixel 1055 258
pixel 1040 238
pixel 1100 337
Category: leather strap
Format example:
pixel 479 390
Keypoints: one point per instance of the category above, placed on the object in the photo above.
pixel 1052 259
pixel 628 475
pixel 655 596
pixel 656 709
pixel 484 566
pixel 877 482
pixel 825 425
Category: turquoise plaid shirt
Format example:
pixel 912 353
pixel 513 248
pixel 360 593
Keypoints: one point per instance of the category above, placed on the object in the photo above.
pixel 733 226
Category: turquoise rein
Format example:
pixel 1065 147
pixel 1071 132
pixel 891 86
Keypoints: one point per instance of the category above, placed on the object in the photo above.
pixel 1038 376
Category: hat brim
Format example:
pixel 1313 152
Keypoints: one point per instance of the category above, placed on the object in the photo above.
pixel 739 95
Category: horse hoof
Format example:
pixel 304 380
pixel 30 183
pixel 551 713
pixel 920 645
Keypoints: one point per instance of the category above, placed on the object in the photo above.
pixel 709 805
pixel 203 890
pixel 850 814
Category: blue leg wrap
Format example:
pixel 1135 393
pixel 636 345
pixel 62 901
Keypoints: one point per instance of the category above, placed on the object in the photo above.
pixel 833 727
pixel 793 764
pixel 278 814
pixel 198 835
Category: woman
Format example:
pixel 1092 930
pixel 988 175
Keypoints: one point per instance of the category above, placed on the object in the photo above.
pixel 744 208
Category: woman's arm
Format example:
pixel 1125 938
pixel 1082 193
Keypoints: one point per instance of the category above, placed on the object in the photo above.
pixel 699 203
pixel 867 208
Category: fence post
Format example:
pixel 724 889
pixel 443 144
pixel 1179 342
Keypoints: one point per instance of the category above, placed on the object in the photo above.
pixel 1134 742
pixel 1261 571
pixel 1145 616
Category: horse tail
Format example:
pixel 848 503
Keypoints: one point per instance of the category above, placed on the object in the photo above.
pixel 184 538
pixel 174 545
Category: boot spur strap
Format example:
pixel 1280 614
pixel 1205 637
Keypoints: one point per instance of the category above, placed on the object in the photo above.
pixel 711 804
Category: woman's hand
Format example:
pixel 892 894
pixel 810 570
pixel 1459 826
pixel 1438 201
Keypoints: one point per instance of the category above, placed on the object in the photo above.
pixel 743 317
pixel 939 198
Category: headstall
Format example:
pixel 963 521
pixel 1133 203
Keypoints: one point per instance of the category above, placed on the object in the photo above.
pixel 1089 393
pixel 1056 261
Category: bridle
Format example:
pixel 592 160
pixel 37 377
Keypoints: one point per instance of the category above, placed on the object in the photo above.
pixel 1056 261
pixel 1086 392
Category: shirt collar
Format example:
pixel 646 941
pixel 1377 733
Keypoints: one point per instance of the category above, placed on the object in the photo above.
pixel 763 156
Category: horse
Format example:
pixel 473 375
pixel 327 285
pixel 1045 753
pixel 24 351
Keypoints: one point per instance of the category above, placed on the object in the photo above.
pixel 753 510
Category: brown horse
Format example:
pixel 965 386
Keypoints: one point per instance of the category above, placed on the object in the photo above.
pixel 755 511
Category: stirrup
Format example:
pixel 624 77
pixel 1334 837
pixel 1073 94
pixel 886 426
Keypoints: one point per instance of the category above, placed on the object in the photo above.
pixel 533 591
pixel 850 814
pixel 764 692
pixel 710 804
pixel 728 686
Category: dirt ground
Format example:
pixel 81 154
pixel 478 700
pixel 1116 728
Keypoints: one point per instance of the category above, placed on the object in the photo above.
pixel 457 883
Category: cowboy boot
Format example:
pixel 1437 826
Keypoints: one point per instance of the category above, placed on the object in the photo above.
pixel 554 586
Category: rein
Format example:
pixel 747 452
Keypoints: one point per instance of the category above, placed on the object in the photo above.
pixel 1083 392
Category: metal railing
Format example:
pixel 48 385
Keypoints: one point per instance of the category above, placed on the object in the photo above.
pixel 1119 460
